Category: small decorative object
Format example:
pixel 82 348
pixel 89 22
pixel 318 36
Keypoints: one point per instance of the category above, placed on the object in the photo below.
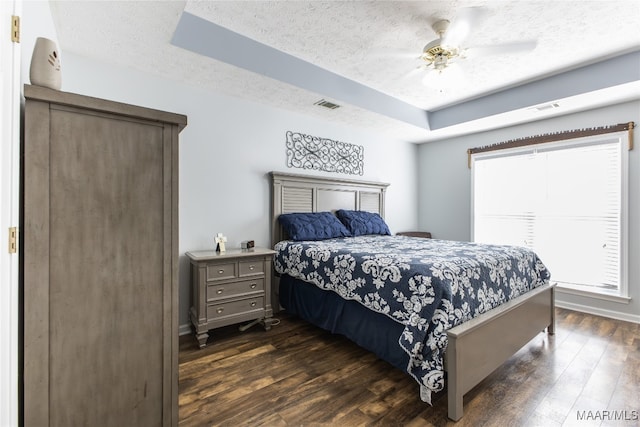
pixel 220 241
pixel 45 64
pixel 312 152
pixel 247 244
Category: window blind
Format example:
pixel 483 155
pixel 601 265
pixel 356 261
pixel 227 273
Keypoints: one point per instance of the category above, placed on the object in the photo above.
pixel 563 200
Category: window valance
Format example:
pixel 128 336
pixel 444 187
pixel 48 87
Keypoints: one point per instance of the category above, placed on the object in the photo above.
pixel 551 137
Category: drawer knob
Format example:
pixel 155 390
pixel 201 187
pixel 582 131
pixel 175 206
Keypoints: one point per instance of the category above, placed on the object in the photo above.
pixel 220 271
pixel 253 304
pixel 253 286
pixel 220 310
pixel 220 291
pixel 251 267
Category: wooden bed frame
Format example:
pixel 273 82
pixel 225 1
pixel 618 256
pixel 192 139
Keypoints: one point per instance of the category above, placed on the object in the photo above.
pixel 477 347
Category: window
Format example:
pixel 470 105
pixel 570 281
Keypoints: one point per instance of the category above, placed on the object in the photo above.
pixel 565 200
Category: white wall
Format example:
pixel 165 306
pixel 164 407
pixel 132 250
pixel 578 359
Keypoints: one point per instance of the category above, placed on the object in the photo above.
pixel 444 188
pixel 227 150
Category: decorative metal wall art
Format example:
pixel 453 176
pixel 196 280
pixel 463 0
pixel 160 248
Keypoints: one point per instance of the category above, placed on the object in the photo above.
pixel 323 154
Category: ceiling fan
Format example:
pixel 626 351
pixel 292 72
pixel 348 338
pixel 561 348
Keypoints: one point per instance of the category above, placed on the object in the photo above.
pixel 441 55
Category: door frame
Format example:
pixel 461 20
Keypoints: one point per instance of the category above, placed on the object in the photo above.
pixel 10 100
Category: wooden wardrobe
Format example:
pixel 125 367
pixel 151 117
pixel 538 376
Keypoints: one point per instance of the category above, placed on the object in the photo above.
pixel 99 262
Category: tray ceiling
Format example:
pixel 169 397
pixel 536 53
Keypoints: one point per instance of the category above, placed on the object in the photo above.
pixel 356 54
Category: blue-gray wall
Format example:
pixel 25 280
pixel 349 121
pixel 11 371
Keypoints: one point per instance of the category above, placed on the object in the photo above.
pixel 444 192
pixel 227 149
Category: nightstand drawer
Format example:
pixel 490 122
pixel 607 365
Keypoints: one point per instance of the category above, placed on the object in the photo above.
pixel 251 267
pixel 221 271
pixel 225 290
pixel 217 311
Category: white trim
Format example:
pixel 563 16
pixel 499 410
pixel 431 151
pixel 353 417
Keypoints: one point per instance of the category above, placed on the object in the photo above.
pixel 564 289
pixel 625 216
pixel 633 318
pixel 10 96
pixel 184 329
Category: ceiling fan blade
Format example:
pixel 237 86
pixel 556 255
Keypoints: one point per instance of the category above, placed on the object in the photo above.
pixel 393 54
pixel 414 72
pixel 461 26
pixel 501 49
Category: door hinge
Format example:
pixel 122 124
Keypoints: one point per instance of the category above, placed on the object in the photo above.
pixel 13 240
pixel 15 29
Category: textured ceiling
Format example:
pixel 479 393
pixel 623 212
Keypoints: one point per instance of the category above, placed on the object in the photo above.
pixel 373 43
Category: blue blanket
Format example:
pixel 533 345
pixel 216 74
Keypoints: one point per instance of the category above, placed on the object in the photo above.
pixel 427 285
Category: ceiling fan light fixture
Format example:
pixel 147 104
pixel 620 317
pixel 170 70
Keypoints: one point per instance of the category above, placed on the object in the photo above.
pixel 434 54
pixel 440 62
pixel 444 79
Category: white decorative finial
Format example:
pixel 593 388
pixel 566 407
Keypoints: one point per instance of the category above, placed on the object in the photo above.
pixel 220 240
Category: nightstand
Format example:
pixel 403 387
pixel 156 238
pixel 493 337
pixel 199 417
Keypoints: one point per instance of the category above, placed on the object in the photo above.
pixel 230 287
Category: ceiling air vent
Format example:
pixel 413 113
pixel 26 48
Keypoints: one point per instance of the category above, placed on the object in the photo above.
pixel 546 107
pixel 327 104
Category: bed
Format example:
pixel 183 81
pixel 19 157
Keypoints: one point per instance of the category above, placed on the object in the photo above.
pixel 408 300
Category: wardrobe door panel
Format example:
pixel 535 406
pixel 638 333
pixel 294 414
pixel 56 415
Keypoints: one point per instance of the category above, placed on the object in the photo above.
pixel 107 255
pixel 100 262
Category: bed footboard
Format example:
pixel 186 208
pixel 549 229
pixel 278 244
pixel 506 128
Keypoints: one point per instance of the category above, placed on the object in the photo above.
pixel 477 347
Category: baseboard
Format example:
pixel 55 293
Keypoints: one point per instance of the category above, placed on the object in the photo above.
pixel 633 318
pixel 184 329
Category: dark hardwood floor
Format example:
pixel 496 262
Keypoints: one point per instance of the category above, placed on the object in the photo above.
pixel 297 374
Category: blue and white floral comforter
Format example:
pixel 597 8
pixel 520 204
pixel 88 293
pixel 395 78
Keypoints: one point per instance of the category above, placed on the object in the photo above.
pixel 427 285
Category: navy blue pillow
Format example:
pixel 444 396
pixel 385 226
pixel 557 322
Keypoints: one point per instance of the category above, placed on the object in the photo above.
pixel 361 222
pixel 312 226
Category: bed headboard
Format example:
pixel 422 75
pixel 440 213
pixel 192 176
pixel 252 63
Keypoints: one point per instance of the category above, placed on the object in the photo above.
pixel 303 193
